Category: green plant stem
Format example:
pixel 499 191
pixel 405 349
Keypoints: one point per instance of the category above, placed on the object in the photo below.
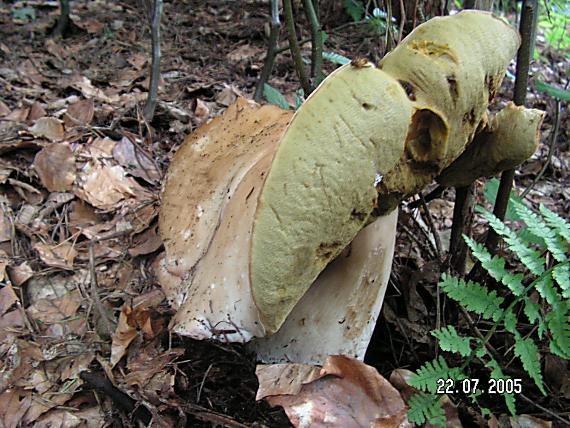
pixel 294 47
pixel 529 9
pixel 317 41
pixel 275 26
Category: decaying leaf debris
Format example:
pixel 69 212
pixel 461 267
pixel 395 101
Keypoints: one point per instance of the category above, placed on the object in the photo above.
pixel 258 202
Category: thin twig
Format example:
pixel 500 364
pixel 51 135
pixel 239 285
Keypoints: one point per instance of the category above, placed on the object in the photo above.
pixel 434 231
pixel 566 422
pixel 203 382
pixel 294 47
pixel 550 150
pixel 150 105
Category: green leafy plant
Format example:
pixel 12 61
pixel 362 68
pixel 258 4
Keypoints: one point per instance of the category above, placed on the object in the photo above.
pixel 377 21
pixel 273 96
pixel 553 22
pixel 547 272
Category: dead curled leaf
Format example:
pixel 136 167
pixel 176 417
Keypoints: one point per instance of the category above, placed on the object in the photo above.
pixel 61 255
pixel 79 113
pixel 103 186
pixel 55 165
pixel 136 161
pixel 345 393
pixel 48 127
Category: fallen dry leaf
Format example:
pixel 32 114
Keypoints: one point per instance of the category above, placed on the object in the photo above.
pixel 279 379
pixel 347 393
pixel 91 25
pixel 146 242
pixel 528 421
pixel 124 334
pixel 79 113
pixel 48 127
pixel 57 309
pixel 15 403
pixel 200 109
pixel 104 186
pixel 136 161
pixel 228 95
pixel 84 85
pixel 4 109
pixel 60 255
pixel 19 274
pixel 55 165
pixel 7 298
pixel 36 112
pixel 244 52
pixel 82 215
pixel 5 223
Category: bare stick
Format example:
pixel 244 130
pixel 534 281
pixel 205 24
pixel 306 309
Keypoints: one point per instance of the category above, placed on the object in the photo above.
pixel 462 219
pixel 529 9
pixel 150 105
pixel 294 47
pixel 274 27
pixel 317 42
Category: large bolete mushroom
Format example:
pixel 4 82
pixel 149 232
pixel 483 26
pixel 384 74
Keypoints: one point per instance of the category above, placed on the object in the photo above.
pixel 269 219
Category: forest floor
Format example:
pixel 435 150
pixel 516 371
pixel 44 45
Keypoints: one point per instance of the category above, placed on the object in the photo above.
pixel 84 337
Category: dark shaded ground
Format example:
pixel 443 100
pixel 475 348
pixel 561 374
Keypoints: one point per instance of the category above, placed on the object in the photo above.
pixel 211 53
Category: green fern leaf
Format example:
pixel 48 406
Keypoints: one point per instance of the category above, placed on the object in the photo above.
pixel 530 257
pixel 527 351
pixel 496 267
pixel 554 243
pixel 473 297
pixel 335 58
pixel 426 377
pixel 561 274
pixel 426 408
pixel 497 373
pixel 558 321
pixel 532 312
pixel 273 96
pixel 545 287
pixel 557 222
pixel 450 341
pixel 510 322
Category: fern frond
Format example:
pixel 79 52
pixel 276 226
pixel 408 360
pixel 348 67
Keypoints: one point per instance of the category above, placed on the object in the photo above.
pixel 557 222
pixel 561 274
pixel 450 341
pixel 495 265
pixel 426 377
pixel 497 373
pixel 554 243
pixel 530 257
pixel 527 351
pixel 545 287
pixel 473 297
pixel 336 58
pixel 558 321
pixel 425 408
pixel 532 312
